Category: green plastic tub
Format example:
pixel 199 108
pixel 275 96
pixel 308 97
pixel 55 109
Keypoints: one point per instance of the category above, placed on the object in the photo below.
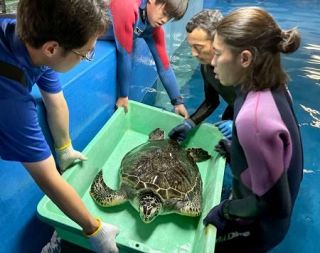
pixel 171 233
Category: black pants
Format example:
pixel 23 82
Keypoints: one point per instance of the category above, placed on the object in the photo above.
pixel 239 239
pixel 258 237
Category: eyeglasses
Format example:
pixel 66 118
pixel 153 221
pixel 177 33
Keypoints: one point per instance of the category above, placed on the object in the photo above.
pixel 88 56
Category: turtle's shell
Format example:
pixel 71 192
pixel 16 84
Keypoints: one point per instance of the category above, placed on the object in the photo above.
pixel 163 167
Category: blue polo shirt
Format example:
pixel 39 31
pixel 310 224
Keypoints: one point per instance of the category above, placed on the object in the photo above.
pixel 21 137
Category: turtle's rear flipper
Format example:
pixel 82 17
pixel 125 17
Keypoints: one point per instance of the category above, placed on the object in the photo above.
pixel 198 154
pixel 103 195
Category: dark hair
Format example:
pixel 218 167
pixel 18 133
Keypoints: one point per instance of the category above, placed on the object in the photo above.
pixel 206 20
pixel 175 8
pixel 70 23
pixel 253 29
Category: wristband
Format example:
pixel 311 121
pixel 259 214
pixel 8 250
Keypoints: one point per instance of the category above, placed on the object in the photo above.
pixel 97 230
pixel 177 101
pixel 63 147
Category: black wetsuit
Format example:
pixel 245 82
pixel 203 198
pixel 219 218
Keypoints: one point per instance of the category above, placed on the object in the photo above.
pixel 267 168
pixel 212 89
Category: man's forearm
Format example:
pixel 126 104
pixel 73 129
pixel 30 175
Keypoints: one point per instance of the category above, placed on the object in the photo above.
pixel 57 117
pixel 58 121
pixel 61 193
pixel 203 112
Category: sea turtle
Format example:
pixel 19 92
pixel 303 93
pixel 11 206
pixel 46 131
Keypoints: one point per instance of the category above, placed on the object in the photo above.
pixel 157 177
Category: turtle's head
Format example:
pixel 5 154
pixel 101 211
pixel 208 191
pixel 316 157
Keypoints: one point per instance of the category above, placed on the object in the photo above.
pixel 149 207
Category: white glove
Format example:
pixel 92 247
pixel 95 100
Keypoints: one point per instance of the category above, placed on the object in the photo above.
pixel 103 240
pixel 67 155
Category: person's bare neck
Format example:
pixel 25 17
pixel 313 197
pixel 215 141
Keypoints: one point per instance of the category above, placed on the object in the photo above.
pixel 35 55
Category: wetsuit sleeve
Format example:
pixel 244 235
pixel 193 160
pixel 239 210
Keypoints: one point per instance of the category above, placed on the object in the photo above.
pixel 124 17
pixel 267 146
pixel 210 103
pixel 50 81
pixel 157 46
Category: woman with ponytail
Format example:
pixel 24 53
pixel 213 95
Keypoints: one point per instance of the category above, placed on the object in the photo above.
pixel 266 153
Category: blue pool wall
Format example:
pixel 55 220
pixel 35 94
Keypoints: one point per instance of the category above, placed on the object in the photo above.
pixel 91 91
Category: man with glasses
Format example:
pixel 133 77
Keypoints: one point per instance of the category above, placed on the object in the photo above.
pixel 87 56
pixel 48 36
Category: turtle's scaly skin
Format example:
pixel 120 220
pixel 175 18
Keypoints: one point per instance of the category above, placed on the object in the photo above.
pixel 159 168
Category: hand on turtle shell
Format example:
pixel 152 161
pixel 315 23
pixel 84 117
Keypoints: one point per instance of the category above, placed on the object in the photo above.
pixel 180 132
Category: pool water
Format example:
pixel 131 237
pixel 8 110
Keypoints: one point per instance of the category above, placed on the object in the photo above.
pixel 303 67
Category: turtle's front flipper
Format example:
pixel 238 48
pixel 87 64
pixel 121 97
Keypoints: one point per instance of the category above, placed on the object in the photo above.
pixel 105 196
pixel 198 154
pixel 189 208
